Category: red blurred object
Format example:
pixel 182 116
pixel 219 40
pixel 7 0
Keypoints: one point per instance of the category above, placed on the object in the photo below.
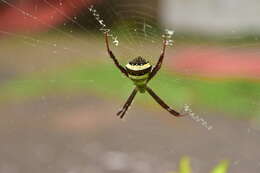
pixel 38 15
pixel 217 62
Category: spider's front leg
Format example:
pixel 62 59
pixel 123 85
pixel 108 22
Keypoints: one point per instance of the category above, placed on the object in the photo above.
pixel 159 63
pixel 122 112
pixel 112 56
pixel 162 103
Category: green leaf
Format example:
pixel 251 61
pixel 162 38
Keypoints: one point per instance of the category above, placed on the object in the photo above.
pixel 185 165
pixel 222 167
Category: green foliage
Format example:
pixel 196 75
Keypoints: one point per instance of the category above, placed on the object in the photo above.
pixel 222 167
pixel 184 166
pixel 238 97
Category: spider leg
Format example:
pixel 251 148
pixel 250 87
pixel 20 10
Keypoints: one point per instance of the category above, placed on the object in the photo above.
pixel 161 102
pixel 122 112
pixel 112 56
pixel 159 63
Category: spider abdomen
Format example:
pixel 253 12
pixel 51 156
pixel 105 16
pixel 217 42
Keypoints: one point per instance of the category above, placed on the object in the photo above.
pixel 138 71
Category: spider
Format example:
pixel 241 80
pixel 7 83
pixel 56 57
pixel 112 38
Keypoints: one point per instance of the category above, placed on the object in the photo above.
pixel 140 72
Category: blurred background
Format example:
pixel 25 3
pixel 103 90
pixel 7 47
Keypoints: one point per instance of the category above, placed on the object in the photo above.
pixel 59 90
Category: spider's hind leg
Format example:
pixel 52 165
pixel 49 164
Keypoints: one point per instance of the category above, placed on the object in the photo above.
pixel 159 62
pixel 112 56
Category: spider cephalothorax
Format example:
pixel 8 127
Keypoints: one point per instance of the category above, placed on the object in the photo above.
pixel 140 72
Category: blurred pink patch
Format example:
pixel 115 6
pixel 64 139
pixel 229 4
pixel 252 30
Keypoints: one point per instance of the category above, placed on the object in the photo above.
pixel 218 62
pixel 38 15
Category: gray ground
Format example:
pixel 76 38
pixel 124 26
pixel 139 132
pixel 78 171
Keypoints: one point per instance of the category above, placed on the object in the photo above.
pixel 82 134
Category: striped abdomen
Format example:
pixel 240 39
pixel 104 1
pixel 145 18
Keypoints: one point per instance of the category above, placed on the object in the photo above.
pixel 138 71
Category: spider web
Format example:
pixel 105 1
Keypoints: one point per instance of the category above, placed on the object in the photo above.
pixel 135 27
pixel 138 23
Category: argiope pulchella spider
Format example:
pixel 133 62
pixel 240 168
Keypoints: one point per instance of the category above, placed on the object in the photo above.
pixel 140 72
